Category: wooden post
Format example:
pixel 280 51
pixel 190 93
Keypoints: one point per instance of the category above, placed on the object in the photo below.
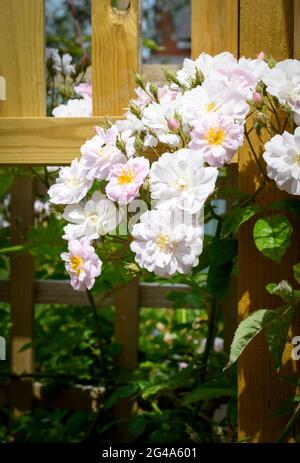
pixel 214 30
pixel 22 65
pixel 260 389
pixel 115 58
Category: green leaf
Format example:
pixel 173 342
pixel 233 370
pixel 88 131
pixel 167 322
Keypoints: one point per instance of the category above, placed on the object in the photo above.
pixel 296 269
pixel 6 182
pixel 272 236
pixel 137 425
pixel 152 390
pixel 123 392
pixel 207 393
pixel 277 332
pixel 236 217
pixel 249 328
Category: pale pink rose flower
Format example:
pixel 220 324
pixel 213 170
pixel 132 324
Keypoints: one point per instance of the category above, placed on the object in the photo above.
pixel 84 90
pixel 125 180
pixel 218 138
pixel 82 264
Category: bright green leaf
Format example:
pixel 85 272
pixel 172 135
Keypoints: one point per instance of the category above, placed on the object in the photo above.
pixel 272 236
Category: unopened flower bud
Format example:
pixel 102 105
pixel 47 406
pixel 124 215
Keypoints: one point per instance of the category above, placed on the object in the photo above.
pixel 66 92
pixel 261 55
pixel 139 80
pixel 173 124
pixel 257 98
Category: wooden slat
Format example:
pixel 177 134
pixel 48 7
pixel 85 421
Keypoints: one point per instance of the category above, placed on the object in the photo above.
pixel 22 64
pixel 115 56
pixel 61 292
pixel 22 58
pixel 77 397
pixel 44 140
pixel 126 335
pixel 214 26
pixel 260 389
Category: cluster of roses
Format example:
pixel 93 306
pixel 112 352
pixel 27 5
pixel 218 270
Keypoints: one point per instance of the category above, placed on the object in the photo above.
pixel 187 129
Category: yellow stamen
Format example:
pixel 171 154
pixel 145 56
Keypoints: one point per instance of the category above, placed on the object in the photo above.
pixel 215 136
pixel 127 176
pixel 298 158
pixel 76 262
pixel 164 243
pixel 210 107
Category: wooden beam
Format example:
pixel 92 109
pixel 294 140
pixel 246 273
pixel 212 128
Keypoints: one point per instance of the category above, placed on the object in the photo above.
pixel 22 54
pixel 44 140
pixel 260 389
pixel 214 26
pixel 151 295
pixel 77 397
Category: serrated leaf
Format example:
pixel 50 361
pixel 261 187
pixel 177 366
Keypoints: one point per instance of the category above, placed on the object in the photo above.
pixel 236 217
pixel 248 329
pixel 272 236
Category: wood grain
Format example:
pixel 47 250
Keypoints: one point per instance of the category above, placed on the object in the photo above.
pixel 22 64
pixel 115 56
pixel 44 140
pixel 150 295
pixel 22 59
pixel 260 389
pixel 214 26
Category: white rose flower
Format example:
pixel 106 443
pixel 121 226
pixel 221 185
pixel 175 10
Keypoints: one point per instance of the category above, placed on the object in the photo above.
pixel 71 185
pixel 98 157
pixel 179 180
pixel 282 156
pixel 74 108
pixel 97 217
pixel 164 244
pixel 283 81
pixel 206 64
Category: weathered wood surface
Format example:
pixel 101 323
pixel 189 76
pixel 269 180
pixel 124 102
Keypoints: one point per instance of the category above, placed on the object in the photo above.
pixel 260 389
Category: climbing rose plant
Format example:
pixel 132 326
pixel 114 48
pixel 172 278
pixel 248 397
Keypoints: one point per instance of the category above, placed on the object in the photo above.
pixel 148 181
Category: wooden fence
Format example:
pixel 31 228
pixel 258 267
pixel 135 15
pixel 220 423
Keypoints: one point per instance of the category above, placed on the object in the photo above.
pixel 243 27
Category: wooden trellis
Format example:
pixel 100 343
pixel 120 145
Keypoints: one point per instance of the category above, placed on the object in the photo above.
pixel 27 137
